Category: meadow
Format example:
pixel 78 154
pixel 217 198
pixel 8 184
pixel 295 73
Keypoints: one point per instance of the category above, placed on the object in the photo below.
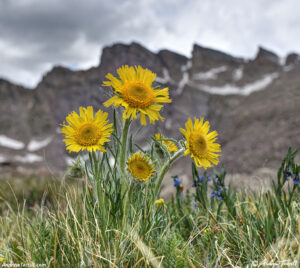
pixel 108 212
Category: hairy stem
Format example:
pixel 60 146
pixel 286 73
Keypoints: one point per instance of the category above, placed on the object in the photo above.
pixel 124 145
pixel 165 168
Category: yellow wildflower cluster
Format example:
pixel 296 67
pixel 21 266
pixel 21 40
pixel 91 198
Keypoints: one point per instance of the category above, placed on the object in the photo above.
pixel 133 90
pixel 161 203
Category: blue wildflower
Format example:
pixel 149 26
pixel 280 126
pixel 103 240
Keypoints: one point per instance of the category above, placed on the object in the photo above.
pixel 287 174
pixel 217 194
pixel 195 206
pixel 296 179
pixel 95 199
pixel 177 182
pixel 200 178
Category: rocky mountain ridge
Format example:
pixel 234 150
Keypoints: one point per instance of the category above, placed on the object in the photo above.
pixel 254 104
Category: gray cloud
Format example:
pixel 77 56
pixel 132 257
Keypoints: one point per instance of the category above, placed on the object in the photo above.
pixel 35 35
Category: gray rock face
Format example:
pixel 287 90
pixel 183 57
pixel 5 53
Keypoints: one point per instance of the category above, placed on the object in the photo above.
pixel 253 104
pixel 204 59
pixel 133 54
pixel 292 58
pixel 172 63
pixel 257 130
pixel 264 56
pixel 265 62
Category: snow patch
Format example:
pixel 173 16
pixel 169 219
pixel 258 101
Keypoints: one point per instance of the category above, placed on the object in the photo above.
pixel 288 68
pixel 29 158
pixel 187 66
pixel 11 143
pixel 246 90
pixel 184 80
pixel 210 74
pixel 282 61
pixel 166 77
pixel 238 74
pixel 2 159
pixel 35 145
pixel 185 77
pixel 70 161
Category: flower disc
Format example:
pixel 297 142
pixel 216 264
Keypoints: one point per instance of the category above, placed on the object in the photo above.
pixel 138 94
pixel 88 134
pixel 140 167
pixel 198 144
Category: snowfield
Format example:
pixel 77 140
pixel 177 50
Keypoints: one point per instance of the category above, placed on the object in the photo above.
pixel 245 90
pixel 29 158
pixel 35 145
pixel 11 143
pixel 212 74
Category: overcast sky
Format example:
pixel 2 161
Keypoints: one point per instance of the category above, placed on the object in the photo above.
pixel 37 34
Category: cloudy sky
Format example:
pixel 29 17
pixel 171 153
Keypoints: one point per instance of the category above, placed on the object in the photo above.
pixel 37 34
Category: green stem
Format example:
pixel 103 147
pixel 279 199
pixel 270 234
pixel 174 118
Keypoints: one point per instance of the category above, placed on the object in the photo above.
pixel 165 168
pixel 127 203
pixel 124 145
pixel 95 163
pixel 291 195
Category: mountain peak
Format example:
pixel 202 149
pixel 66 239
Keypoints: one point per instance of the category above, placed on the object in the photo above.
pixel 133 54
pixel 292 58
pixel 266 55
pixel 204 58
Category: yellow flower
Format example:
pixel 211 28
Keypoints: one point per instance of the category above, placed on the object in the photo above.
pixel 86 131
pixel 140 167
pixel 200 144
pixel 2 259
pixel 133 90
pixel 161 202
pixel 206 230
pixel 171 146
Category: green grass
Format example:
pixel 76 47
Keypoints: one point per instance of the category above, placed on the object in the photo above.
pixel 61 225
pixel 31 191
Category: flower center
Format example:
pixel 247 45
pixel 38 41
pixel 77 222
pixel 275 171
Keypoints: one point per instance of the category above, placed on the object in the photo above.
pixel 140 169
pixel 198 144
pixel 88 134
pixel 138 94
